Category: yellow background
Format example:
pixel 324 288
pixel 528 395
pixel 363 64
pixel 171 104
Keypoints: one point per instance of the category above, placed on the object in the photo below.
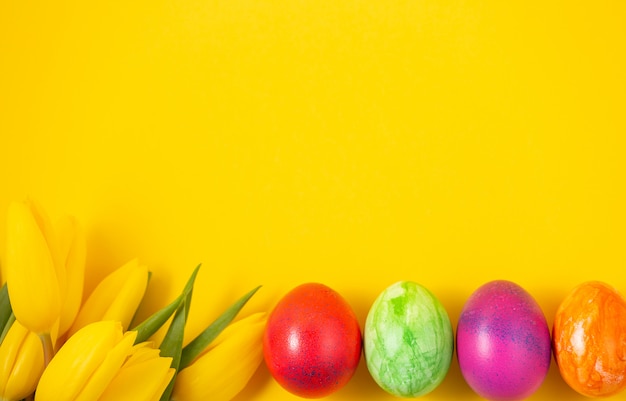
pixel 352 143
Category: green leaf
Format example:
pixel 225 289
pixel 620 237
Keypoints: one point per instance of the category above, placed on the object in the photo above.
pixel 172 344
pixel 199 344
pixel 5 307
pixel 153 323
pixel 7 326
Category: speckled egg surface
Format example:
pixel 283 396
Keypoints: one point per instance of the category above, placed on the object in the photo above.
pixel 589 337
pixel 312 341
pixel 503 342
pixel 408 340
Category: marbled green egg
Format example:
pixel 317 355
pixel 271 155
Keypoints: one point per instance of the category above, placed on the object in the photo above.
pixel 408 340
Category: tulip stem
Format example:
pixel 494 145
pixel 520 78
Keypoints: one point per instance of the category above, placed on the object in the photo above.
pixel 48 351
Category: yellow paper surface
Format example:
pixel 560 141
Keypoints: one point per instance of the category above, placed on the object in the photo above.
pixel 351 143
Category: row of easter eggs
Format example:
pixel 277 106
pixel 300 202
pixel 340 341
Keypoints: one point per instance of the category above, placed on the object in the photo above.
pixel 313 342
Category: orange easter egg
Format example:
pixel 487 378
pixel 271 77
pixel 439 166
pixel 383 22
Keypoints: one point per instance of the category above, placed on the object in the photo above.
pixel 589 338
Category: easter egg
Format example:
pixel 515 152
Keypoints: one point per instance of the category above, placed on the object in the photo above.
pixel 589 337
pixel 408 340
pixel 312 341
pixel 503 342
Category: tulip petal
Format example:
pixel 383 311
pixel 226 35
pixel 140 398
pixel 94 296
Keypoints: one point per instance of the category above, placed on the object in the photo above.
pixel 116 297
pixel 31 274
pixel 21 363
pixel 142 352
pixel 46 228
pixel 125 305
pixel 142 381
pixel 252 321
pixel 27 368
pixel 73 253
pixel 108 369
pixel 9 350
pixel 72 366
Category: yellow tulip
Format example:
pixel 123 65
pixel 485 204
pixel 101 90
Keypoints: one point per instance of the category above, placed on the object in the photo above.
pixel 116 297
pixel 100 362
pixel 35 278
pixel 21 363
pixel 226 366
pixel 86 363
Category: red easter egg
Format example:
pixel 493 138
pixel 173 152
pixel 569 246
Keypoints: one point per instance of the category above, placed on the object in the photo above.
pixel 312 341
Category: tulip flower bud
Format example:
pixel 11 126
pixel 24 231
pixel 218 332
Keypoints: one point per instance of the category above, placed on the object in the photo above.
pixel 32 267
pixel 226 366
pixel 116 297
pixel 99 362
pixel 21 363
pixel 86 363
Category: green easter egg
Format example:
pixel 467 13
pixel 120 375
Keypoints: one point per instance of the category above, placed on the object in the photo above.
pixel 408 340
